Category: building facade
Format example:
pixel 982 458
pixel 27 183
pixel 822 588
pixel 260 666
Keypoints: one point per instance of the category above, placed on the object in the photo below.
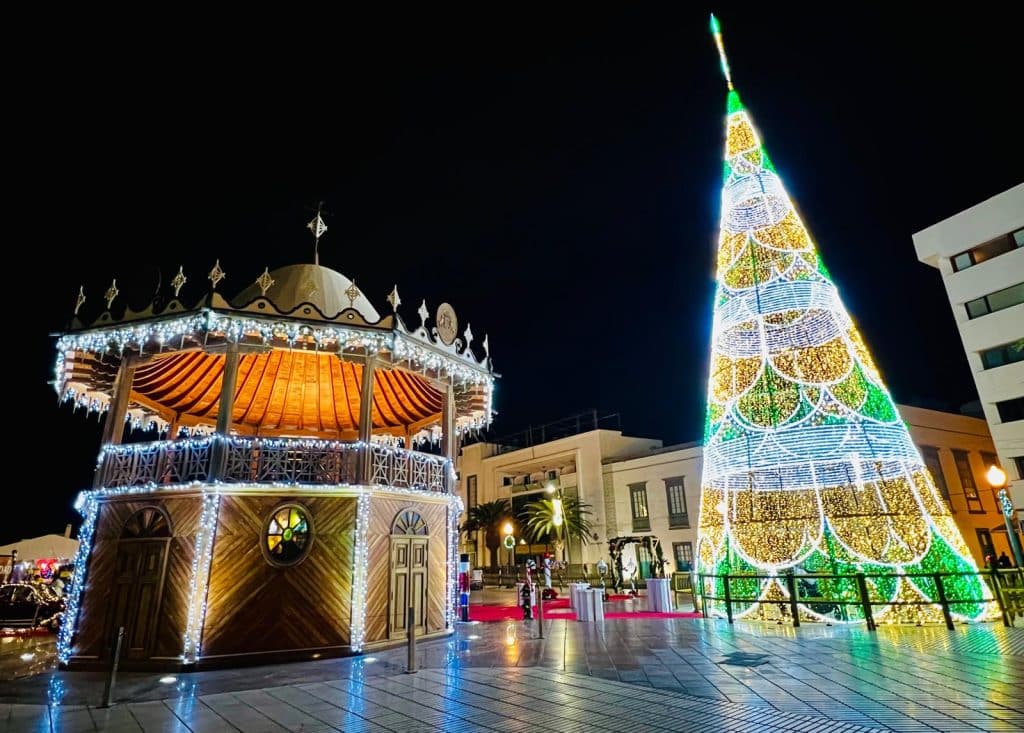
pixel 637 486
pixel 980 255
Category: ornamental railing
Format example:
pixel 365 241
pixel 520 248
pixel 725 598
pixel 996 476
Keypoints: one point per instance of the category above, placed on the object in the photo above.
pixel 406 469
pixel 238 460
pixel 858 591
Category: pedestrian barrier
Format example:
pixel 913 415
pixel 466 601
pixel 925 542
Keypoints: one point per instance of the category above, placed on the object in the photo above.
pixel 1006 586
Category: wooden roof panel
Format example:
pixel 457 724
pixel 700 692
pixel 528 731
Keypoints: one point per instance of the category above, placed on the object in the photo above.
pixel 281 391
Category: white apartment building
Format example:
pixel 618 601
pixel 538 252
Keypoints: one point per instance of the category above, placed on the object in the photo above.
pixel 980 254
pixel 637 486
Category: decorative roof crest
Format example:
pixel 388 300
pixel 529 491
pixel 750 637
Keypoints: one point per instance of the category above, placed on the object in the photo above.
pixel 111 293
pixel 394 300
pixel 265 281
pixel 179 280
pixel 216 274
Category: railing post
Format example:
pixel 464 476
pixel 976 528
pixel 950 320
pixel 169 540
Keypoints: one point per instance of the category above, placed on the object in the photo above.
pixel 1000 601
pixel 411 627
pixel 865 601
pixel 728 598
pixel 793 608
pixel 943 601
pixel 108 688
pixel 703 596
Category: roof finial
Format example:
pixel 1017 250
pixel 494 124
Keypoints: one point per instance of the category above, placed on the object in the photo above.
pixel 716 31
pixel 318 227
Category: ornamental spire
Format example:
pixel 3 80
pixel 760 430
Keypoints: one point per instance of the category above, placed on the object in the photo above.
pixel 716 31
pixel 318 228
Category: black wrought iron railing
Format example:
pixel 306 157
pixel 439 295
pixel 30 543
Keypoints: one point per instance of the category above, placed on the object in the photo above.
pixel 855 597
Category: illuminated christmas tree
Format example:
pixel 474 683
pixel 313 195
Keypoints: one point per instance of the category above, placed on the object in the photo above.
pixel 808 467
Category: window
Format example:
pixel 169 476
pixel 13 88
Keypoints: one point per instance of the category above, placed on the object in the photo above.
pixel 506 480
pixel 985 540
pixel 684 555
pixel 963 468
pixel 1010 410
pixel 1018 463
pixel 934 465
pixel 287 535
pixel 638 505
pixel 677 514
pixel 470 492
pixel 1005 354
pixel 997 301
pixel 553 475
pixel 998 246
pixel 990 459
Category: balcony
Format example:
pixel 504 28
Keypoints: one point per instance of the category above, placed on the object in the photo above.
pixel 243 460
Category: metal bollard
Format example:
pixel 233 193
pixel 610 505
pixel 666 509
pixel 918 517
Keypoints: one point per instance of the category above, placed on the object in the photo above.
pixel 540 612
pixel 108 688
pixel 411 627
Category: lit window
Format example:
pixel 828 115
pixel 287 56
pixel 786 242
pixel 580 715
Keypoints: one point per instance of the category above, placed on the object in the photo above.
pixel 963 468
pixel 988 250
pixel 288 535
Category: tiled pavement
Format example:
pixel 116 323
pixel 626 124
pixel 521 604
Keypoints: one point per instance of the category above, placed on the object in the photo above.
pixel 663 675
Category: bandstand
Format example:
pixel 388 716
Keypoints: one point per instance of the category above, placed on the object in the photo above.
pixel 286 515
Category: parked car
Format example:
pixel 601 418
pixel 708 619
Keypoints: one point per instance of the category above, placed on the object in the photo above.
pixel 22 604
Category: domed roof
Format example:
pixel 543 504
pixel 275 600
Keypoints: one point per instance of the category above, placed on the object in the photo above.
pixel 327 290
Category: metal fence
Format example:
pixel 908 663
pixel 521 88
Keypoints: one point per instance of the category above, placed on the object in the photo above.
pixel 1006 587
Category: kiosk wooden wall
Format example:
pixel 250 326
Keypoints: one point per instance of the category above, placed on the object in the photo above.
pixel 253 606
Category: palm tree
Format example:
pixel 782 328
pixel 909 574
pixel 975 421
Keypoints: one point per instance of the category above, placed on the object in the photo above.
pixel 489 518
pixel 542 525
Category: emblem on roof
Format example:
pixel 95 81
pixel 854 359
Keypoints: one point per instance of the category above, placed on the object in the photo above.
pixel 447 324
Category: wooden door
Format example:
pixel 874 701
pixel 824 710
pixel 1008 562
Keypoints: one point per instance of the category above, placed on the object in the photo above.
pixel 408 585
pixel 138 586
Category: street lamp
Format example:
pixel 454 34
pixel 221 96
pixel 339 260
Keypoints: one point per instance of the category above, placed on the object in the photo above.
pixel 997 479
pixel 510 541
pixel 558 517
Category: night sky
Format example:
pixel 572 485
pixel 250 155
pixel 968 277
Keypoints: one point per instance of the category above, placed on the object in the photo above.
pixel 555 177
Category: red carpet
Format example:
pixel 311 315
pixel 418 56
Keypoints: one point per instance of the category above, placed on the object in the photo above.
pixel 560 610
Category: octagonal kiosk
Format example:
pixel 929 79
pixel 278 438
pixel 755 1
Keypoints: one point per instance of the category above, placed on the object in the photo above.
pixel 286 515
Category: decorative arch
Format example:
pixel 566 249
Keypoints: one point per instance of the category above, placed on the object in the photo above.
pixel 150 522
pixel 408 522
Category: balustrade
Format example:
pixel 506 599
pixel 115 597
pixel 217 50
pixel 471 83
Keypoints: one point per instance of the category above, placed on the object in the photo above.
pixel 270 460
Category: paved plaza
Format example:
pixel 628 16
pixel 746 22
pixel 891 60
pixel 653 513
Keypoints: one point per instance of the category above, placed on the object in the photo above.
pixel 635 675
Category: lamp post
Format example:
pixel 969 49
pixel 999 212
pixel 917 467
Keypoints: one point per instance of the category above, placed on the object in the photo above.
pixel 997 479
pixel 510 541
pixel 558 515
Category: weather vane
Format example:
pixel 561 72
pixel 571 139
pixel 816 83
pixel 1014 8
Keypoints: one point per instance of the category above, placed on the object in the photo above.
pixel 716 31
pixel 318 228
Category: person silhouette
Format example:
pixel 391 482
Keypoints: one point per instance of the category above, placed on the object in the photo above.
pixel 1004 561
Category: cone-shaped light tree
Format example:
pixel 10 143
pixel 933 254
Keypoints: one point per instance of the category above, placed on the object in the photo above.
pixel 808 467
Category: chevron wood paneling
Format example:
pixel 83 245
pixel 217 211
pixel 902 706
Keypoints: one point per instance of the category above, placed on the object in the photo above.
pixel 92 633
pixel 378 576
pixel 253 606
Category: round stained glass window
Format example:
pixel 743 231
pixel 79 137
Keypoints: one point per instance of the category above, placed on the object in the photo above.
pixel 288 535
